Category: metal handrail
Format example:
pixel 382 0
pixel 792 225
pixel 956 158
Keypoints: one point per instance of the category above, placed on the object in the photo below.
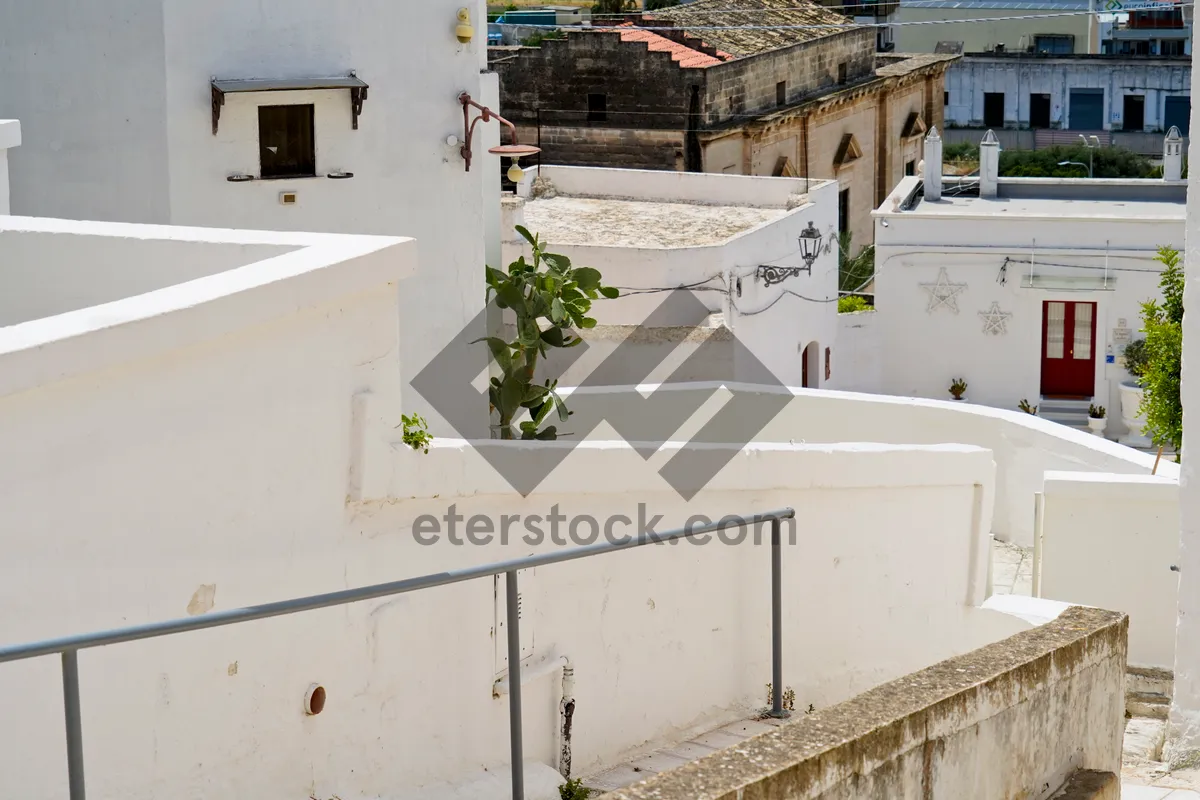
pixel 69 646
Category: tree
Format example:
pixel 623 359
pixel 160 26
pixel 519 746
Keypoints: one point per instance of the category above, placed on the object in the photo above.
pixel 1160 379
pixel 1107 162
pixel 655 5
pixel 547 303
pixel 854 272
pixel 613 6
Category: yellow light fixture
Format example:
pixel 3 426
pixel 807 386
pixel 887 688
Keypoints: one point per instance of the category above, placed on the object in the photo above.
pixel 463 30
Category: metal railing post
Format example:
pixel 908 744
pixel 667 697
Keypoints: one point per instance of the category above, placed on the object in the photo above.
pixel 514 685
pixel 70 676
pixel 776 621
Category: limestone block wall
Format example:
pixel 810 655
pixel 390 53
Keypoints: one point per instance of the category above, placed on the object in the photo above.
pixel 1018 718
pixel 748 85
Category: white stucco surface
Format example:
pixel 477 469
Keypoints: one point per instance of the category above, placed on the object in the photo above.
pixel 633 223
pixel 232 439
pixel 1184 732
pixel 1110 541
pixel 130 138
pixel 1024 447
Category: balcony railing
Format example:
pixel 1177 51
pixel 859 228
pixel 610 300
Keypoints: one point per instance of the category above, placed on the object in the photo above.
pixel 68 647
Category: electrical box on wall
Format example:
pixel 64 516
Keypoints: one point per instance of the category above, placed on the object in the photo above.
pixel 287 198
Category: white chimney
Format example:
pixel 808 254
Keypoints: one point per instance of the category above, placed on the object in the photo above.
pixel 932 174
pixel 989 166
pixel 1173 155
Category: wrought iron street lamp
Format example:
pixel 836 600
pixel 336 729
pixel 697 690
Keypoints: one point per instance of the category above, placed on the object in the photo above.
pixel 810 248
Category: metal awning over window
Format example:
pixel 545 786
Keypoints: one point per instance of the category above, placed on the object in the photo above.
pixel 357 86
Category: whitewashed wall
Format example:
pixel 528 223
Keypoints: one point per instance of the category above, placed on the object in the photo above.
pixel 859 364
pixel 1184 730
pixel 970 78
pixel 131 138
pixel 232 440
pixel 10 137
pixel 1110 541
pixel 924 350
pixel 1024 447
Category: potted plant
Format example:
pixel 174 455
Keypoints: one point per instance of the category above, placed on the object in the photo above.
pixel 1097 419
pixel 958 387
pixel 1028 409
pixel 1131 394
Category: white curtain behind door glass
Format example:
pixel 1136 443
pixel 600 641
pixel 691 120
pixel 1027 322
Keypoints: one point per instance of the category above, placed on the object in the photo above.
pixel 1083 331
pixel 1056 321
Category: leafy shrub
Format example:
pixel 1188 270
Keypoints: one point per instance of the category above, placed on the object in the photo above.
pixel 1107 162
pixel 537 37
pixel 1096 412
pixel 1163 324
pixel 850 303
pixel 1135 358
pixel 574 789
pixel 958 388
pixel 416 432
pixel 960 151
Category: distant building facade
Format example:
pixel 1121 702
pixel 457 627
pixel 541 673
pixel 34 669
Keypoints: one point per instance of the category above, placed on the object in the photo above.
pixel 1077 93
pixel 811 102
pixel 978 26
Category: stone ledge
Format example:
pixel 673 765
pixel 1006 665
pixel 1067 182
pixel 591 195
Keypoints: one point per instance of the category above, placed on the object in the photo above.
pixel 832 746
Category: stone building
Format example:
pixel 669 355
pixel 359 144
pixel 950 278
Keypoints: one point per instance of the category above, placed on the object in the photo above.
pixel 814 101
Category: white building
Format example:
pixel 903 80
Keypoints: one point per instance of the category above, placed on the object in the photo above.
pixel 735 243
pixel 209 419
pixel 1027 288
pixel 293 94
pixel 1079 93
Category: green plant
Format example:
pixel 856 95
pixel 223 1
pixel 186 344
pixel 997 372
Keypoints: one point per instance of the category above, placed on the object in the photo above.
pixel 1107 162
pixel 613 6
pixel 1135 358
pixel 1096 412
pixel 789 698
pixel 958 388
pixel 850 303
pixel 1163 326
pixel 536 38
pixel 574 789
pixel 1023 405
pixel 416 432
pixel 655 5
pixel 546 303
pixel 854 272
pixel 960 151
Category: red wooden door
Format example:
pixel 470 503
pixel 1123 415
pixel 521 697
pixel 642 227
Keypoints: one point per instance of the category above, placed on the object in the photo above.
pixel 1068 348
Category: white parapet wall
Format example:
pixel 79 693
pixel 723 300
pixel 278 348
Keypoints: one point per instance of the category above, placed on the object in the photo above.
pixel 681 632
pixel 1025 447
pixel 1111 541
pixel 228 435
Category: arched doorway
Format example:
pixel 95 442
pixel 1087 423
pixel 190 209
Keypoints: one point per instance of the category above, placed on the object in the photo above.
pixel 811 366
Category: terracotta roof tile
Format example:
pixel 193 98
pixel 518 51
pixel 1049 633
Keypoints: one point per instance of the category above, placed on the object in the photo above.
pixel 681 54
pixel 759 14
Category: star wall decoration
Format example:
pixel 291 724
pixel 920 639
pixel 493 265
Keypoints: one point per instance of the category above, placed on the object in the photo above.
pixel 943 293
pixel 995 321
